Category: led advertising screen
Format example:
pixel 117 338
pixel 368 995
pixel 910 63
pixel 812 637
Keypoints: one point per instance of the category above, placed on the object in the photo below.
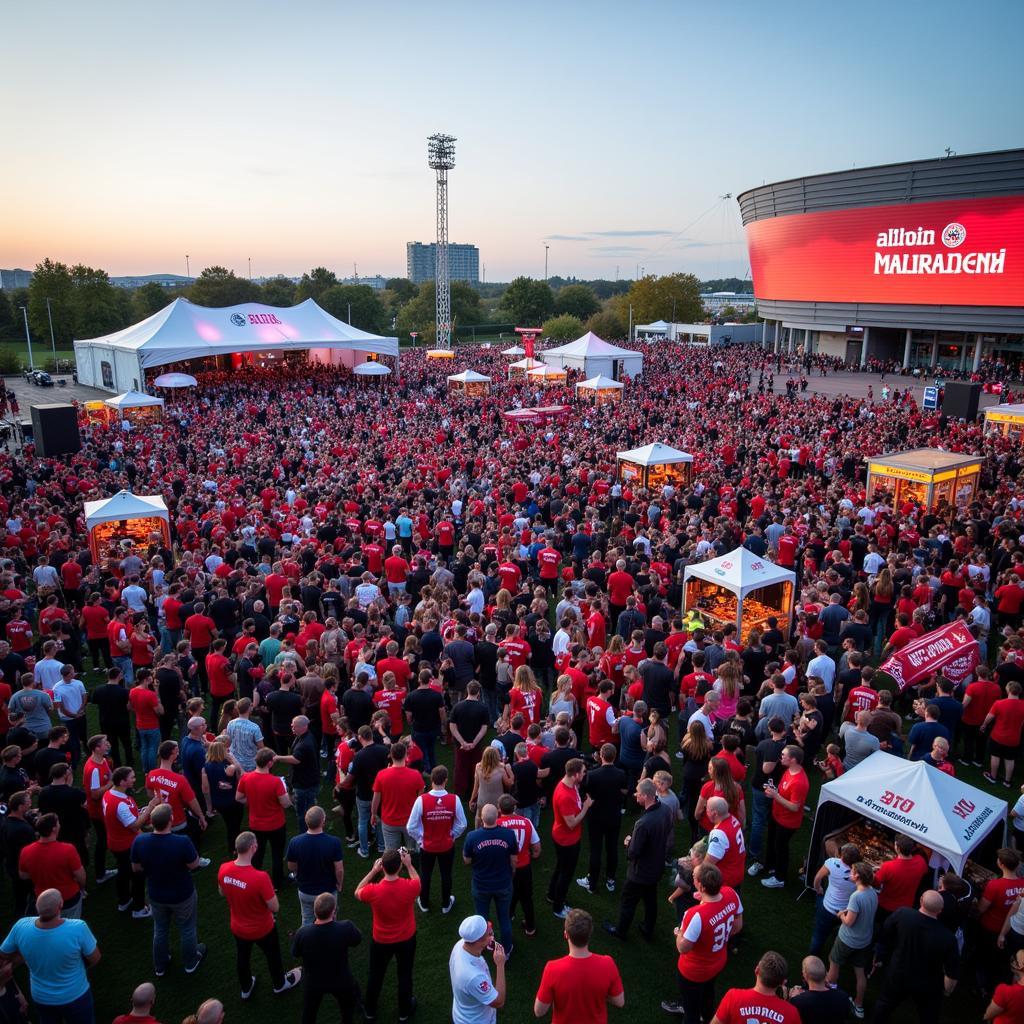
pixel 962 252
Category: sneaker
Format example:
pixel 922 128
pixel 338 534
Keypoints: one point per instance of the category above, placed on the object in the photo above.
pixel 204 862
pixel 529 932
pixel 139 915
pixel 755 869
pixel 988 778
pixel 412 1010
pixel 975 764
pixel 422 906
pixel 858 1011
pixel 771 882
pixel 365 854
pixel 200 957
pixel 447 908
pixel 563 913
pixel 584 883
pixel 670 1007
pixel 124 906
pixel 680 756
pixel 159 971
pixel 247 992
pixel 966 764
pixel 352 841
pixel 291 979
pixel 610 885
pixel 105 877
pixel 1006 784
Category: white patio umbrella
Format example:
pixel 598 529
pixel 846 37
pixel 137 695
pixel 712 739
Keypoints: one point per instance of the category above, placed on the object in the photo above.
pixel 175 380
pixel 371 370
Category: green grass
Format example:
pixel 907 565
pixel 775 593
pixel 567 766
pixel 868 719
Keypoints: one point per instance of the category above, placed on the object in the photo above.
pixel 42 353
pixel 773 920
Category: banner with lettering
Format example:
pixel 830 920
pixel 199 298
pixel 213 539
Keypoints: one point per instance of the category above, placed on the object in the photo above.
pixel 950 649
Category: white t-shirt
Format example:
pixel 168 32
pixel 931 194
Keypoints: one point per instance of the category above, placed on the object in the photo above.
pixel 824 668
pixel 840 886
pixel 71 695
pixel 472 990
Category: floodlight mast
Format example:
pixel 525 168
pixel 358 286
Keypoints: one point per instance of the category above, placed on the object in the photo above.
pixel 441 157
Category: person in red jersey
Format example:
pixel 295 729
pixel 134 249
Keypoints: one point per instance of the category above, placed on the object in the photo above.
pixel 267 797
pixel 578 988
pixel 703 943
pixel 395 791
pixel 602 723
pixel 174 789
pixel 96 780
pixel 124 820
pixel 726 847
pixel 435 822
pixel 569 809
pixel 760 1004
pixel 1007 1003
pixel 788 800
pixel 1003 723
pixel 51 864
pixel 143 999
pixel 252 904
pixel 978 700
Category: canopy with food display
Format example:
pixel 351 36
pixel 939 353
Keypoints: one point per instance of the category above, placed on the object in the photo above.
pixel 135 407
pixel 125 517
pixel 741 588
pixel 470 383
pixel 1004 419
pixel 523 366
pixel 551 376
pixel 927 476
pixel 655 465
pixel 884 795
pixel 601 390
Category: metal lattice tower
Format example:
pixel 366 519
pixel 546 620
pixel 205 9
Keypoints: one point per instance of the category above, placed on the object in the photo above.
pixel 441 157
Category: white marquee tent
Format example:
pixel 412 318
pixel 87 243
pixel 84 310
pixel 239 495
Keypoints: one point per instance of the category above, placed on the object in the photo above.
pixel 184 331
pixel 593 356
pixel 469 377
pixel 371 369
pixel 943 813
pixel 740 570
pixel 599 383
pixel 133 400
pixel 654 454
pixel 514 350
pixel 652 331
pixel 125 505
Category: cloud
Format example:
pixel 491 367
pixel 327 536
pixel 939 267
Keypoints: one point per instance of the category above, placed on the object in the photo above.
pixel 567 238
pixel 618 250
pixel 631 234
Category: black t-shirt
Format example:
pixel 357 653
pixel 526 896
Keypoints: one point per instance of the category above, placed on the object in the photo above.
pixel 829 1007
pixel 424 704
pixel 767 750
pixel 168 686
pixel 525 787
pixel 773 642
pixel 44 759
pixel 487 660
pixel 468 716
pixel 366 765
pixel 15 835
pixel 358 707
pixel 556 760
pixel 920 950
pixel 306 773
pixel 111 699
pixel 606 786
pixel 225 613
pixel 323 950
pixel 283 705
pixel 659 683
pixel 68 803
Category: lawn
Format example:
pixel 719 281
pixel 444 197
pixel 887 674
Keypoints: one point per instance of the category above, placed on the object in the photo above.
pixel 42 353
pixel 773 919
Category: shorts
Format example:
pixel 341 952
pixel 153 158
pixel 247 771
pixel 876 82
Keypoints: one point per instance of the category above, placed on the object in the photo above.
pixel 1002 750
pixel 843 956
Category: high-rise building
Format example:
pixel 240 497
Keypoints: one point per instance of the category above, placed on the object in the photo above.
pixel 11 279
pixel 463 262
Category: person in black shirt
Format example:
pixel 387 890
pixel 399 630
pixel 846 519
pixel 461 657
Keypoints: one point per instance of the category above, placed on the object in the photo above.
pixel 13 778
pixel 659 682
pixel 469 722
pixel 487 669
pixel 16 832
pixel 111 700
pixel 323 949
pixel 226 613
pixel 284 705
pixel 370 760
pixel 67 801
pixel 357 702
pixel 606 786
pixel 816 1002
pixel 767 765
pixel 171 690
pixel 525 787
pixel 772 639
pixel 552 764
pixel 425 713
pixel 305 759
pixel 55 752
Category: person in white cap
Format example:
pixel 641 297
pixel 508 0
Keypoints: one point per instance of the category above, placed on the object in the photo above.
pixel 475 998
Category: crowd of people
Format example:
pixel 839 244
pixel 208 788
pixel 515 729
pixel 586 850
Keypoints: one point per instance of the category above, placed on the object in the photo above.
pixel 388 622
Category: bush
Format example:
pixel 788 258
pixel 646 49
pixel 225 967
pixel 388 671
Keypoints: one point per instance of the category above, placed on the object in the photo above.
pixel 10 361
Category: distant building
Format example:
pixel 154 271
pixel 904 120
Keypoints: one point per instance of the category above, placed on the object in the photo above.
pixel 164 280
pixel 463 262
pixel 377 283
pixel 715 302
pixel 12 279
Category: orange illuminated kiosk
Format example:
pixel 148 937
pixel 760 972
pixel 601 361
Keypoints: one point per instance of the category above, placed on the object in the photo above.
pixel 136 408
pixel 655 465
pixel 125 516
pixel 601 390
pixel 549 376
pixel 1005 420
pixel 925 475
pixel 470 383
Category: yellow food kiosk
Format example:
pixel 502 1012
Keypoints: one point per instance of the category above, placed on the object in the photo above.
pixel 655 465
pixel 925 475
pixel 1004 419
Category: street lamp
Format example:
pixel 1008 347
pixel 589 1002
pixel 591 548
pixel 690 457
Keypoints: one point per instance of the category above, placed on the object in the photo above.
pixel 188 273
pixel 546 247
pixel 53 344
pixel 28 338
pixel 413 335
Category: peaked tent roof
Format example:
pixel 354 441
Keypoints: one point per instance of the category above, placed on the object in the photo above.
pixel 590 345
pixel 658 325
pixel 656 454
pixel 947 814
pixel 741 571
pixel 124 505
pixel 544 370
pixel 525 364
pixel 469 377
pixel 371 370
pixel 514 350
pixel 184 330
pixel 600 382
pixel 132 400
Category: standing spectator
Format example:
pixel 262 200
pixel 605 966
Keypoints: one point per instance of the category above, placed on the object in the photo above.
pixel 859 743
pixel 315 859
pixel 468 724
pixel 70 699
pixel 569 810
pixel 49 863
pixel 978 700
pixel 167 860
pixel 760 1004
pixel 96 780
pixel 900 879
pixel 58 951
pixel 857 925
pixel 529 850
pixel 174 789
pixel 645 856
pixel 219 785
pixel 395 791
pixel 15 834
pixel 994 906
pixel 816 1001
pixel 1003 723
pixel 475 998
pixel 147 707
pixel 921 959
pixel 391 900
pixel 1007 1003
pixel 767 769
pixel 35 704
pixel 124 820
pixel 111 699
pixel 435 822
pixel 368 762
pixel 787 815
pixel 726 849
pixel 266 796
pixel 252 904
pixel 834 897
pixel 425 712
pixel 322 945
pixel 305 761
pixel 245 735
pixel 606 786
pixel 492 851
pixel 63 798
pixel 579 987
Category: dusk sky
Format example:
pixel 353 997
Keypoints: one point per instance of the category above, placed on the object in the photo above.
pixel 295 134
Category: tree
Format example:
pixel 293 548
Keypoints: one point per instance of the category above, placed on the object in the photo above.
pixel 527 302
pixel 97 306
pixel 563 328
pixel 8 324
pixel 402 288
pixel 577 300
pixel 420 313
pixel 675 297
pixel 278 291
pixel 465 304
pixel 218 286
pixel 729 312
pixel 606 325
pixel 149 299
pixel 315 283
pixel 367 310
pixel 51 280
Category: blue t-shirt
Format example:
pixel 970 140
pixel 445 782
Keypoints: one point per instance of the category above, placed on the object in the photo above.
pixel 404 524
pixel 193 757
pixel 923 735
pixel 315 856
pixel 630 751
pixel 165 860
pixel 54 957
pixel 491 850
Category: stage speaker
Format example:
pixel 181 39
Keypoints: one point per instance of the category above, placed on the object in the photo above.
pixel 961 400
pixel 55 429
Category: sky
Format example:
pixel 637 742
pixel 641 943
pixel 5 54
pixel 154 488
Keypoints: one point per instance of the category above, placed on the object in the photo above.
pixel 295 134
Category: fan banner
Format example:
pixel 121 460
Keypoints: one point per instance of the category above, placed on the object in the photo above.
pixel 950 649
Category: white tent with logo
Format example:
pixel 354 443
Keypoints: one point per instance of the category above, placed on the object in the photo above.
pixel 593 356
pixel 184 331
pixel 947 815
pixel 133 400
pixel 741 571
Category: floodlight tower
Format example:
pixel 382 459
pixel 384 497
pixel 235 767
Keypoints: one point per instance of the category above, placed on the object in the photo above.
pixel 441 157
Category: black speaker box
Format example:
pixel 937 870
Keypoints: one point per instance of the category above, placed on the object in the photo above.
pixel 960 401
pixel 55 429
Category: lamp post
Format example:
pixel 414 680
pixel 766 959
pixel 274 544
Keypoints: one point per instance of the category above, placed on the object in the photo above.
pixel 546 247
pixel 413 335
pixel 53 344
pixel 250 268
pixel 188 273
pixel 28 338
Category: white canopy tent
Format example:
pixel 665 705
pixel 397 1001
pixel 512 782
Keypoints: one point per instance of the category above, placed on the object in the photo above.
pixel 469 377
pixel 175 380
pixel 593 356
pixel 941 812
pixel 655 454
pixel 657 329
pixel 371 369
pixel 547 373
pixel 125 517
pixel 133 400
pixel 515 350
pixel 184 331
pixel 599 383
pixel 740 570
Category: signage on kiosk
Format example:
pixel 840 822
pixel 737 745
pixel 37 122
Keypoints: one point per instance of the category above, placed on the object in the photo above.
pixel 931 398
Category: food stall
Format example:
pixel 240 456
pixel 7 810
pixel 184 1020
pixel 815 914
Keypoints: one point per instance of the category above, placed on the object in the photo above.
pixel 125 517
pixel 740 588
pixel 655 465
pixel 549 376
pixel 1004 419
pixel 601 390
pixel 523 366
pixel 440 353
pixel 470 383
pixel 136 407
pixel 371 370
pixel 96 412
pixel 926 476
pixel 954 823
pixel 539 416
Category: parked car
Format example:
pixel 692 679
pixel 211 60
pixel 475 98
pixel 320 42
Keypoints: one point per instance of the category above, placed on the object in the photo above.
pixel 42 379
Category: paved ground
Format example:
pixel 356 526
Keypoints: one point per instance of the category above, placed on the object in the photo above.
pixel 29 394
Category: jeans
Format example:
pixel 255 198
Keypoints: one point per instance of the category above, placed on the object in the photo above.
pixel 532 812
pixel 426 741
pixel 149 744
pixel 760 809
pixel 124 663
pixel 186 916
pixel 395 837
pixel 825 922
pixel 444 861
pixel 363 807
pixel 271 950
pixel 78 1011
pixel 169 639
pixel 502 902
pixel 380 956
pixel 306 901
pixel 304 799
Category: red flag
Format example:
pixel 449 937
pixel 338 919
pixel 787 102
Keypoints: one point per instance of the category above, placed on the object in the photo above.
pixel 951 649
